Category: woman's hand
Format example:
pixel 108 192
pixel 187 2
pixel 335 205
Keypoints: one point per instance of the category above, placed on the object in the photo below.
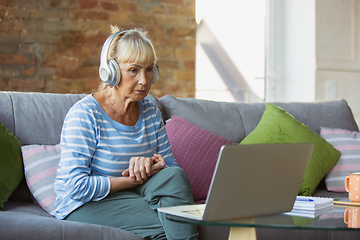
pixel 142 168
pixel 159 164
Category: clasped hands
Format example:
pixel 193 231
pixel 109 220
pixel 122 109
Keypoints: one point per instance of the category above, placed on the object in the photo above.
pixel 142 168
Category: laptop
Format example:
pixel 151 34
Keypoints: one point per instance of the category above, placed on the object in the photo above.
pixel 251 180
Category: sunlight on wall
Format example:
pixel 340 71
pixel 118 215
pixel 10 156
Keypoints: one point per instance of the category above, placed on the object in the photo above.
pixel 209 84
pixel 240 28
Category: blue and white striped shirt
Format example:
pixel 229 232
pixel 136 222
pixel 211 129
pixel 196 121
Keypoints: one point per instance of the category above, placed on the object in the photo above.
pixel 94 147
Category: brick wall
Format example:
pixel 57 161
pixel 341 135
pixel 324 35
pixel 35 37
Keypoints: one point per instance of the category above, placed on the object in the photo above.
pixel 54 45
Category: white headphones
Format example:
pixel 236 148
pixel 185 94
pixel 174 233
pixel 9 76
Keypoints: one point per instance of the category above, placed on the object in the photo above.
pixel 109 70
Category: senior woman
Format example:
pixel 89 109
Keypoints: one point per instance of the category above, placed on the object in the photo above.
pixel 116 165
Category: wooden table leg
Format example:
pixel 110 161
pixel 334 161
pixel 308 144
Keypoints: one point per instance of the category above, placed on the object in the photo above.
pixel 243 233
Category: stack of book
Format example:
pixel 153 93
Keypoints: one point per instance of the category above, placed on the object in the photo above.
pixel 311 207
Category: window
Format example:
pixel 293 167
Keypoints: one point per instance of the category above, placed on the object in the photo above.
pixel 230 50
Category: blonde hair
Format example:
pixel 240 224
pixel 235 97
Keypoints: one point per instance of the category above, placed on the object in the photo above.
pixel 131 46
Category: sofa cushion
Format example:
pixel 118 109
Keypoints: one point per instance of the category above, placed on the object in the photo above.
pixel 41 163
pixel 36 118
pixel 278 126
pixel 11 166
pixel 196 150
pixel 235 120
pixel 348 143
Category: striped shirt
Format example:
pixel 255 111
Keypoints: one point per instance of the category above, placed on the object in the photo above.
pixel 94 147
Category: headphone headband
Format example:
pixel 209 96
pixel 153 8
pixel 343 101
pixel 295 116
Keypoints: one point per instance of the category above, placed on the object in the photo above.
pixel 109 70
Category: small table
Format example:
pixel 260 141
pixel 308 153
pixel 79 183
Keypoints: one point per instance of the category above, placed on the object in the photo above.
pixel 245 228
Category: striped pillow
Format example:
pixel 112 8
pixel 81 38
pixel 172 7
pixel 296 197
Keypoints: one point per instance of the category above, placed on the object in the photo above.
pixel 348 143
pixel 41 163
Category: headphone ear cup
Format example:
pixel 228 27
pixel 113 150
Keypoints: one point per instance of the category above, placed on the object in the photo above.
pixel 115 75
pixel 156 73
pixel 109 70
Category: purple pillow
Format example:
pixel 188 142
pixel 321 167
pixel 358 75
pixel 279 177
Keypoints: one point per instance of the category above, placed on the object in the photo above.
pixel 196 150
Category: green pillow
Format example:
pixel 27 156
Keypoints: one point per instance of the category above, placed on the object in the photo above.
pixel 278 126
pixel 11 164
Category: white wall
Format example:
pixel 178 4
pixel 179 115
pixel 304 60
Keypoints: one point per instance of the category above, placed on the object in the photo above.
pixel 313 51
pixel 338 52
pixel 291 57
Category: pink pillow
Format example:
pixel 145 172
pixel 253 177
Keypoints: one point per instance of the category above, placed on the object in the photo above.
pixel 196 150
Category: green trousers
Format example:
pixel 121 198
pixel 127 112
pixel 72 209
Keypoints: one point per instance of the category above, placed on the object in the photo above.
pixel 135 210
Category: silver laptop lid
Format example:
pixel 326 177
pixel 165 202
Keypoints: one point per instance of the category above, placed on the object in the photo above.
pixel 253 180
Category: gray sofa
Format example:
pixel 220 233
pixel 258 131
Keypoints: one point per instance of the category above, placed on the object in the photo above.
pixel 36 118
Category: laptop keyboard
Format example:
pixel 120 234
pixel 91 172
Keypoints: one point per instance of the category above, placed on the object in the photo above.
pixel 195 212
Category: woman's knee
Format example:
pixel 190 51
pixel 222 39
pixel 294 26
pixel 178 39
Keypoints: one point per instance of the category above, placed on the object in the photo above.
pixel 176 172
pixel 169 181
pixel 177 175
